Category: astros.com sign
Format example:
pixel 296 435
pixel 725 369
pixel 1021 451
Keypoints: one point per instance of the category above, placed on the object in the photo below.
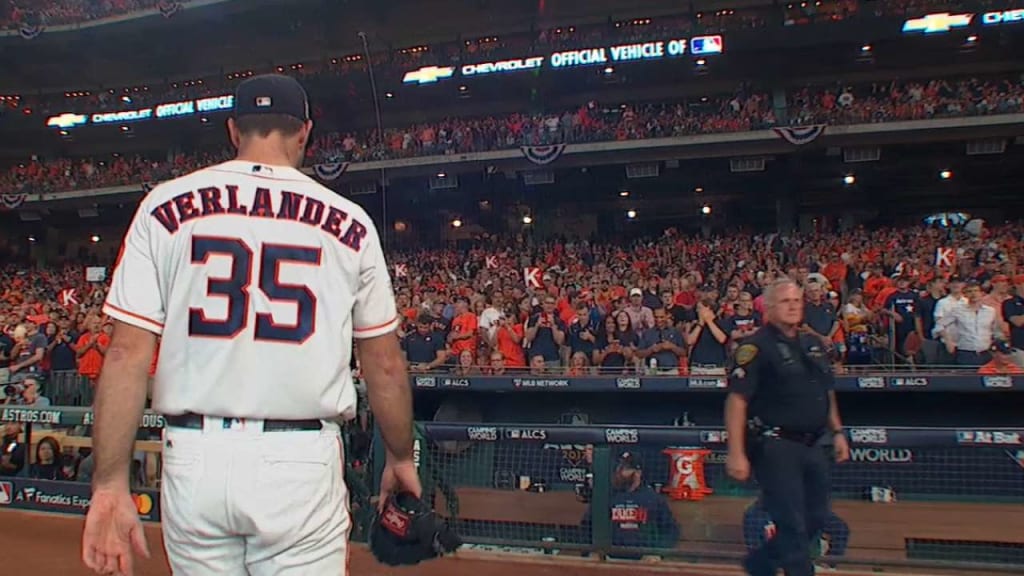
pixel 162 111
pixel 941 22
pixel 598 56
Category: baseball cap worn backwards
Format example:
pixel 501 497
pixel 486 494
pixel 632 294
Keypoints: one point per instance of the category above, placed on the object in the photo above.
pixel 271 94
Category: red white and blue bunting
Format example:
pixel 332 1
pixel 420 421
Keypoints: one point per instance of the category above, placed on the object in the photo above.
pixel 328 171
pixel 800 135
pixel 30 31
pixel 169 8
pixel 541 155
pixel 12 200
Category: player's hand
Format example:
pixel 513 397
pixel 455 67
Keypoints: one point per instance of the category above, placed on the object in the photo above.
pixel 113 533
pixel 398 476
pixel 841 448
pixel 737 466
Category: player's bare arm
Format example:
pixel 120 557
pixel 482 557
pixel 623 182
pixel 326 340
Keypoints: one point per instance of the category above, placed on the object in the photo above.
pixel 112 529
pixel 387 385
pixel 120 401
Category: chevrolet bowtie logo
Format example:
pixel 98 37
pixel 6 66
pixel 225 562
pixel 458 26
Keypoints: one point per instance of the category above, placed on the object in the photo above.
pixel 66 120
pixel 942 22
pixel 428 74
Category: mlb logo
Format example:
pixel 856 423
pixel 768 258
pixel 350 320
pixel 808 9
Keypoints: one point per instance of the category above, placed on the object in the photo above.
pixel 6 493
pixel 264 102
pixel 706 45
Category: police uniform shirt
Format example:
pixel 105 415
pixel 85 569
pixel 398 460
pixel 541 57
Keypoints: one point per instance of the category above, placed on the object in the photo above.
pixel 1014 307
pixel 785 380
pixel 907 305
pixel 422 348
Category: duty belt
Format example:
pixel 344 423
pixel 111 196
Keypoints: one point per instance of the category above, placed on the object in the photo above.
pixel 805 438
pixel 195 422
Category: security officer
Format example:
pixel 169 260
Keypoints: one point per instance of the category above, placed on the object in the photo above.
pixel 780 406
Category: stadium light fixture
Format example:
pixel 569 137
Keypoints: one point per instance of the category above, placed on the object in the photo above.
pixel 972 39
pixel 946 174
pixel 442 175
pixel 705 209
pixel 32 239
pixel 609 70
pixel 94 238
pixel 865 48
pixel 849 179
pixel 456 223
pixel 624 193
pixel 527 219
pixel 389 95
pixel 701 61
pixel 631 214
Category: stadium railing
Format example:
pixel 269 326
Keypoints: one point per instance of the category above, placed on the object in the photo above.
pixel 940 498
pixel 70 388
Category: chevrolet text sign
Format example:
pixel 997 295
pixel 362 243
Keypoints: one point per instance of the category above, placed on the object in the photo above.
pixel 159 112
pixel 596 56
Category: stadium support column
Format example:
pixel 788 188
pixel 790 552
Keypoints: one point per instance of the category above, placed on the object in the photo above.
pixel 780 106
pixel 786 191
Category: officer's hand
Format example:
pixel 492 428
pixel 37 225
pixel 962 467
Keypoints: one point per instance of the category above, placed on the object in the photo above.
pixel 841 448
pixel 738 466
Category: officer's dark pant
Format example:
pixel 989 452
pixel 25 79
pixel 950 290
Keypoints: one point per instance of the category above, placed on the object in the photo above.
pixel 794 480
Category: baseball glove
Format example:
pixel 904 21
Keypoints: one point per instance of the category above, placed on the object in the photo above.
pixel 408 532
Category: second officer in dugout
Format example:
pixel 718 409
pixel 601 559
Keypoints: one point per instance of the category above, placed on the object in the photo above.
pixel 780 413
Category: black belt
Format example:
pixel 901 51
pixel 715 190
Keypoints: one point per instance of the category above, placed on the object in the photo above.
pixel 195 422
pixel 805 438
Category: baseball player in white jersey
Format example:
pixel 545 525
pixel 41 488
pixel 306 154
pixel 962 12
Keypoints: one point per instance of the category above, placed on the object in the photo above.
pixel 256 278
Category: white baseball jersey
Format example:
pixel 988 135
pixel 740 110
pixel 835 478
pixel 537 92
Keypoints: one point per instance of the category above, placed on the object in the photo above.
pixel 257 278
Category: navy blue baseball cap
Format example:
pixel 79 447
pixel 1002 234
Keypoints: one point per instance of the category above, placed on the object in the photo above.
pixel 630 460
pixel 271 94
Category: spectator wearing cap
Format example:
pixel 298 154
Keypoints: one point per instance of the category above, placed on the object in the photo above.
pixel 424 348
pixel 663 344
pixel 1002 361
pixel 904 308
pixel 971 329
pixel 29 352
pixel 640 317
pixel 641 518
pixel 1013 313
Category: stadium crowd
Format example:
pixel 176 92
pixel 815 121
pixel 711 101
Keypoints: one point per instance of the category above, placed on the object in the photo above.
pixel 670 305
pixel 744 110
pixel 61 12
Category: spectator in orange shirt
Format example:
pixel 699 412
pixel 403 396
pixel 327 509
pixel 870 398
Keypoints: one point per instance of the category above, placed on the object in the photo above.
pixel 508 339
pixel 463 335
pixel 1002 361
pixel 90 349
